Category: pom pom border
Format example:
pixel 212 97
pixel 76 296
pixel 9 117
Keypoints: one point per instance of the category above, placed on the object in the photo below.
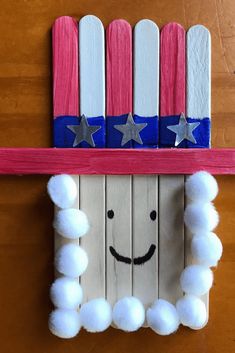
pixel 193 202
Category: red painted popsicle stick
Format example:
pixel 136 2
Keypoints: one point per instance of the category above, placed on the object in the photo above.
pixel 119 68
pixel 172 82
pixel 65 66
pixel 115 161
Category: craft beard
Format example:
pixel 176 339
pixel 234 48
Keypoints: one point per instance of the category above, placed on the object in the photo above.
pixel 123 255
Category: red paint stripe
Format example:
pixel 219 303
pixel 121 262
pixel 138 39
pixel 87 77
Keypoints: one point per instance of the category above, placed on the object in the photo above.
pixel 119 68
pixel 116 161
pixel 172 70
pixel 65 67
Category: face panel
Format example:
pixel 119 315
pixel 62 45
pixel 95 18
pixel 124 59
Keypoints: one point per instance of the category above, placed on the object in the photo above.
pixel 122 243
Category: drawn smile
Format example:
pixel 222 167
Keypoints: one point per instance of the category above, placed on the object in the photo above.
pixel 137 260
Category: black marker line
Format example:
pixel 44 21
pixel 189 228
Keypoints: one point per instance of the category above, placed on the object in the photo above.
pixel 142 259
pixel 119 257
pixel 137 260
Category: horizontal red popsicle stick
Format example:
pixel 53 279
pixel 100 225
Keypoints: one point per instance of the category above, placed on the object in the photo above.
pixel 115 161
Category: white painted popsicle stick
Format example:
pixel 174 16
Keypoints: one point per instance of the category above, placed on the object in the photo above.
pixel 146 68
pixel 145 188
pixel 198 94
pixel 198 72
pixel 92 188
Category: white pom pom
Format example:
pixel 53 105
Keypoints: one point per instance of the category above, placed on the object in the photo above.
pixel 71 223
pixel 192 311
pixel 200 216
pixel 62 190
pixel 66 293
pixel 129 314
pixel 196 279
pixel 71 260
pixel 162 317
pixel 201 186
pixel 96 315
pixel 64 323
pixel 206 248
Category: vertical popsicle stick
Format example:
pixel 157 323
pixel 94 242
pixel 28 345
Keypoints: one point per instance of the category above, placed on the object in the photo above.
pixel 171 188
pixel 198 101
pixel 65 80
pixel 119 189
pixel 92 188
pixel 65 67
pixel 145 188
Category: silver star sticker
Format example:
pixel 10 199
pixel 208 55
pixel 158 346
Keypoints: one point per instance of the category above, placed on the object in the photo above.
pixel 130 130
pixel 83 132
pixel 184 130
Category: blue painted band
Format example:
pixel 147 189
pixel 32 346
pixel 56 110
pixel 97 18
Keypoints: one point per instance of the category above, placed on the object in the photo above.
pixel 148 135
pixel 64 138
pixel 201 133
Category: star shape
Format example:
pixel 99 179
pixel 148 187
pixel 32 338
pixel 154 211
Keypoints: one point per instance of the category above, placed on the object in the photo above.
pixel 130 130
pixel 84 132
pixel 184 130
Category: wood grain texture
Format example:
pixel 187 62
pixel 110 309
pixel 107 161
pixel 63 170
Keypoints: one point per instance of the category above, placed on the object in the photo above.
pixel 65 67
pixel 92 188
pixel 118 231
pixel 26 242
pixel 171 188
pixel 119 190
pixel 116 161
pixel 145 234
pixel 119 68
pixel 171 236
pixel 172 83
pixel 198 98
pixel 145 188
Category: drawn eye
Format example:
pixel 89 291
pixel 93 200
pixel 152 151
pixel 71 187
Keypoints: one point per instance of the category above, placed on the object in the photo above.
pixel 153 215
pixel 110 214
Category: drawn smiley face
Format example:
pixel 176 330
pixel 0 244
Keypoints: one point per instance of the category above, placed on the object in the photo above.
pixel 140 260
pixel 131 218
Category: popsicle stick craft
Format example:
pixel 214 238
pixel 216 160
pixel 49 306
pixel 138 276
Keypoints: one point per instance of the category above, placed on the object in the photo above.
pixel 134 241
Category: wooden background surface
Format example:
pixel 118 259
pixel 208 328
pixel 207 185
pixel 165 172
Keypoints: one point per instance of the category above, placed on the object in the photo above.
pixel 26 235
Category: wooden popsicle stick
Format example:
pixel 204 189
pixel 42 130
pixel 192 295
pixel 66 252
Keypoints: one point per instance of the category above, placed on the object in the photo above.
pixel 171 187
pixel 198 96
pixel 119 189
pixel 65 66
pixel 145 187
pixel 65 81
pixel 88 161
pixel 92 188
